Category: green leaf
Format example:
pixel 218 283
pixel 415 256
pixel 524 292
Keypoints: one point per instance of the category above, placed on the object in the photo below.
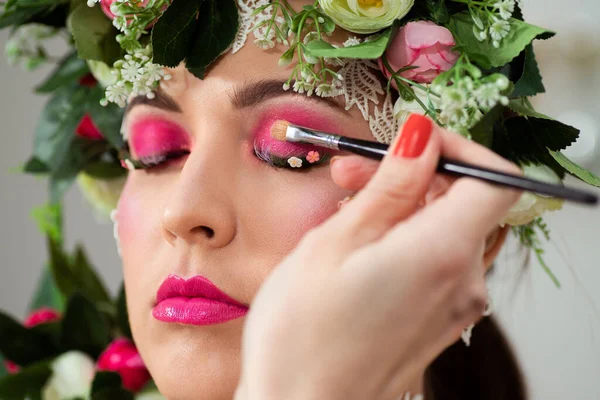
pixel 484 53
pixel 35 166
pixel 122 314
pixel 217 27
pixel 546 131
pixel 574 169
pixel 76 275
pixel 91 284
pixel 108 118
pixel 104 380
pixel 84 327
pixel 438 10
pixel 3 371
pixel 94 34
pixel 49 220
pixel 57 124
pixel 483 131
pixel 27 384
pixel 113 394
pixel 530 81
pixel 24 346
pixel 173 33
pixel 367 50
pixel 70 69
pixel 80 153
pixel 47 293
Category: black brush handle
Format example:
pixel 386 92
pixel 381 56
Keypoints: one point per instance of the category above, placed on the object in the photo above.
pixel 377 151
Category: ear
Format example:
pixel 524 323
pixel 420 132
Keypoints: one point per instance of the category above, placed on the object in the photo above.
pixel 493 245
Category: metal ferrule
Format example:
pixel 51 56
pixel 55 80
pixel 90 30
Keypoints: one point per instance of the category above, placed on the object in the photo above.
pixel 304 135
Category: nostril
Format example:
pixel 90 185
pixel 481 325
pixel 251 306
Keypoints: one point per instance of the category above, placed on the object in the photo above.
pixel 209 232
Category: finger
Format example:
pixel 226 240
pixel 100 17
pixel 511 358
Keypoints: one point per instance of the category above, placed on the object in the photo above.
pixel 352 172
pixel 396 188
pixel 475 207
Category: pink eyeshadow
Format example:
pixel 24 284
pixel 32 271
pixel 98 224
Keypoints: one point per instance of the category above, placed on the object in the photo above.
pixel 153 137
pixel 301 117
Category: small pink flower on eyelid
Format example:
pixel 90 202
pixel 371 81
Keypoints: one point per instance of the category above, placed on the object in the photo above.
pixel 313 156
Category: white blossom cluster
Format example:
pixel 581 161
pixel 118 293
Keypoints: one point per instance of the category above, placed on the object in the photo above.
pixel 496 14
pixel 25 45
pixel 136 75
pixel 462 103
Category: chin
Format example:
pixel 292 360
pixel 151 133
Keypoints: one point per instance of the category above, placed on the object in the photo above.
pixel 193 362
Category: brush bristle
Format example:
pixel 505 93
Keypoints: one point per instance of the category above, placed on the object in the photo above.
pixel 279 129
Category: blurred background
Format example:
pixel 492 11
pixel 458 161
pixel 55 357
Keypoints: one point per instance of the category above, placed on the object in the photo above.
pixel 556 332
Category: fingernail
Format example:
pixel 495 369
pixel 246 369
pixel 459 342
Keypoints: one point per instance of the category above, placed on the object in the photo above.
pixel 344 201
pixel 334 159
pixel 413 138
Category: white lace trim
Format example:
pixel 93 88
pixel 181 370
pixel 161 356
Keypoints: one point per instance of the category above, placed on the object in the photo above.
pixel 248 21
pixel 384 126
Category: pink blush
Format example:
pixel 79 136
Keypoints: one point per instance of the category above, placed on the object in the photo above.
pixel 301 117
pixel 153 137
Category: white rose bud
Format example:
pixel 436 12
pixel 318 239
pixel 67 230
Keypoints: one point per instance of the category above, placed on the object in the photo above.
pixel 530 205
pixel 72 376
pixel 403 109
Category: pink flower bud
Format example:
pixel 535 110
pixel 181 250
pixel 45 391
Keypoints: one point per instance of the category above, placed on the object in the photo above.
pixel 121 356
pixel 40 316
pixel 87 129
pixel 424 45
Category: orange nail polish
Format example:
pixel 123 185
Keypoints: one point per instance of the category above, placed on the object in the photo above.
pixel 413 138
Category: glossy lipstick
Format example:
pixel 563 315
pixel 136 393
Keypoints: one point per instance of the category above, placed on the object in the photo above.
pixel 195 301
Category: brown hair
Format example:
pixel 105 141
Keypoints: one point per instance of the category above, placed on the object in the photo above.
pixel 486 370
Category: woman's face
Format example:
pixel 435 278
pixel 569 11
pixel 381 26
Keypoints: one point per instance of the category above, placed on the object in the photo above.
pixel 220 211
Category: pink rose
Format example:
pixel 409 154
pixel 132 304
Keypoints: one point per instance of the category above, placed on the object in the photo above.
pixel 87 129
pixel 40 316
pixel 424 45
pixel 121 356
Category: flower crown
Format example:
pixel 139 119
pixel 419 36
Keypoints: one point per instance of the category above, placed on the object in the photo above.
pixel 467 64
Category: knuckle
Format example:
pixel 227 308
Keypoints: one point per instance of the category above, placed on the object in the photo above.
pixel 393 187
pixel 456 260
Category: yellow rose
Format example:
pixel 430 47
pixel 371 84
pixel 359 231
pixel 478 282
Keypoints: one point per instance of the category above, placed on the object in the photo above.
pixel 365 16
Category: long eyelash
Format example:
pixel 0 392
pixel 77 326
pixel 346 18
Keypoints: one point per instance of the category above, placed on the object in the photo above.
pixel 263 153
pixel 148 162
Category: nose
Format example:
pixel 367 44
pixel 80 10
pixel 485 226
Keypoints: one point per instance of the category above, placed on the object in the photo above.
pixel 199 208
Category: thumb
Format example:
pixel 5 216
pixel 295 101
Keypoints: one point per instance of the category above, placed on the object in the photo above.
pixel 398 185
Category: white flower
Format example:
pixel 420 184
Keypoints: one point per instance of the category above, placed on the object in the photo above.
pixel 351 41
pixel 295 162
pixel 72 376
pixel 488 95
pixel 131 71
pixel 117 93
pixel 264 43
pixel 303 86
pixel 403 108
pixel 499 29
pixel 530 205
pixel 505 8
pixel 365 16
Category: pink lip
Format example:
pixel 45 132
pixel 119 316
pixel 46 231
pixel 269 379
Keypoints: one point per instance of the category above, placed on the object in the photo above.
pixel 195 301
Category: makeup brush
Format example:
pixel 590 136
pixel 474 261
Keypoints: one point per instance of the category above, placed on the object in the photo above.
pixel 286 132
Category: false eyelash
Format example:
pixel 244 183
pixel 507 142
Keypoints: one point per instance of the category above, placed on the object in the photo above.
pixel 148 162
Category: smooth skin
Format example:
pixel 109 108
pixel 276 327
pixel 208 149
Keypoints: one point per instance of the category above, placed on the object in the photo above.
pixel 372 296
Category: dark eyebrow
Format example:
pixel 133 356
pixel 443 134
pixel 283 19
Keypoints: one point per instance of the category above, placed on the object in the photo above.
pixel 161 100
pixel 254 93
